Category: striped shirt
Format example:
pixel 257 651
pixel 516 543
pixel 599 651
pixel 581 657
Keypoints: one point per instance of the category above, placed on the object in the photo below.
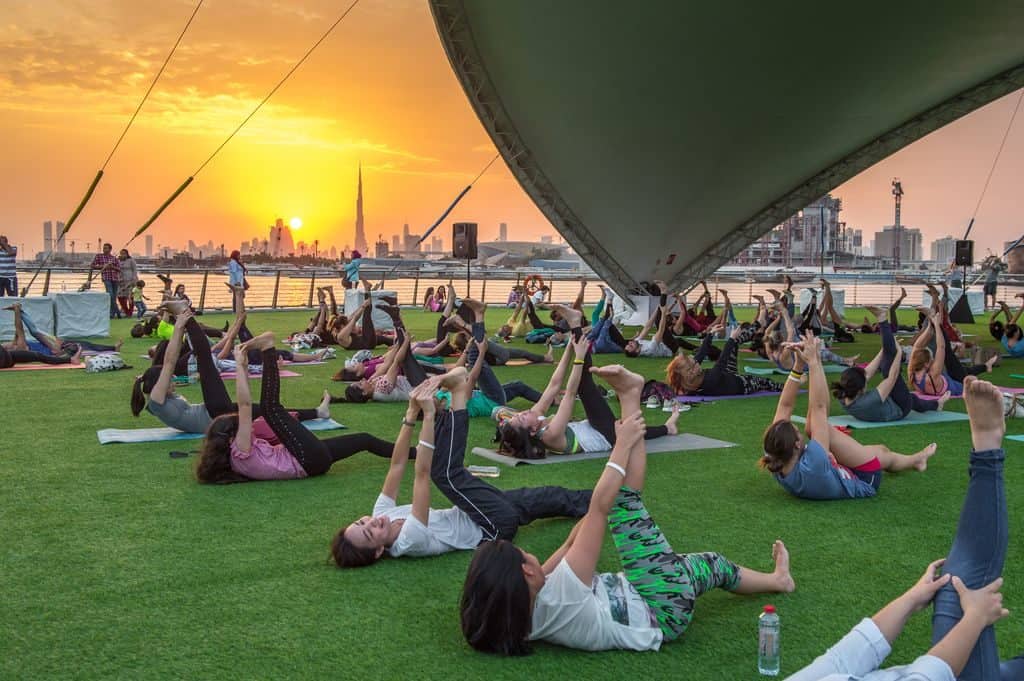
pixel 7 258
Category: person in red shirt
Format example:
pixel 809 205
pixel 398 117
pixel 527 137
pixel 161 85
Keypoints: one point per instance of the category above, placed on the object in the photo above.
pixel 110 272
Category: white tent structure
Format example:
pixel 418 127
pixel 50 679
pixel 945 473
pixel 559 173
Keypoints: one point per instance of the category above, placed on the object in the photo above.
pixel 662 137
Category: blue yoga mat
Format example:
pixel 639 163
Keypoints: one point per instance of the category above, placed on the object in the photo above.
pixel 915 418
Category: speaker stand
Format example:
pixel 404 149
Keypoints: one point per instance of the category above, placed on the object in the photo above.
pixel 961 312
pixel 469 260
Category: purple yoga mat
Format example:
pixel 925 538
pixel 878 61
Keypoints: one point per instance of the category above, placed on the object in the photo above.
pixel 690 399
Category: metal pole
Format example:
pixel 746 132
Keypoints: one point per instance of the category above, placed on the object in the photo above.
pixel 821 231
pixel 46 282
pixel 202 293
pixel 483 292
pixel 467 278
pixel 277 286
pixel 416 289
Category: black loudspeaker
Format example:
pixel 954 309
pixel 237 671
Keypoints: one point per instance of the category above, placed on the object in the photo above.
pixel 964 253
pixel 464 240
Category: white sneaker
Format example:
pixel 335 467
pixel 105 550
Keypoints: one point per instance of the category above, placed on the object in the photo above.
pixel 669 405
pixel 653 402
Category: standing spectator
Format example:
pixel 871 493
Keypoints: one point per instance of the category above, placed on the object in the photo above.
pixel 236 274
pixel 8 268
pixel 129 275
pixel 139 298
pixel 993 266
pixel 110 272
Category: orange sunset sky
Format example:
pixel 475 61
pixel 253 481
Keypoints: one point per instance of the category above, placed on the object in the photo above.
pixel 379 91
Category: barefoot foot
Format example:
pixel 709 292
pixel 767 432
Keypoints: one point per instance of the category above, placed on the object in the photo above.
pixel 985 407
pixel 670 425
pixel 782 575
pixel 323 410
pixel 943 399
pixel 921 458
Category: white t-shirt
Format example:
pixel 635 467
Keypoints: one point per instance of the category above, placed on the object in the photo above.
pixel 538 297
pixel 448 529
pixel 653 348
pixel 605 615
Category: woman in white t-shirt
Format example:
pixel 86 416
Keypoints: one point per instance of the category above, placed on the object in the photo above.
pixel 510 598
pixel 481 511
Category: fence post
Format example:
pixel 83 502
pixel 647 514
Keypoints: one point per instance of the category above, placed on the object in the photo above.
pixel 202 293
pixel 855 291
pixel 277 286
pixel 416 289
pixel 312 283
pixel 46 282
pixel 483 291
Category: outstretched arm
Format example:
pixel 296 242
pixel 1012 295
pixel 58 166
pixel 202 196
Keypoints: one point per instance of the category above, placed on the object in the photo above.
pixel 787 400
pixel 400 454
pixel 478 365
pixel 662 324
pixel 646 327
pixel 547 398
pixel 163 382
pixel 423 398
pixel 563 415
pixel 396 361
pixel 583 550
pixel 889 382
pixel 819 398
pixel 243 438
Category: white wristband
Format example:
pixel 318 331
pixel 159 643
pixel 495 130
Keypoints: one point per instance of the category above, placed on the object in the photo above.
pixel 426 444
pixel 616 467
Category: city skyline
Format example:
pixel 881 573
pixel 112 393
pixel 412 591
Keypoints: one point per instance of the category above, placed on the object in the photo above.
pixel 75 73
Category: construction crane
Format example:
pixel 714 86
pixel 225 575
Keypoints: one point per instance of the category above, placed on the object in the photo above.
pixel 897 193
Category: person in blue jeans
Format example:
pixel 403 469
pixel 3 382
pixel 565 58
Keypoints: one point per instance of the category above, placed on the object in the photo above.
pixel 966 599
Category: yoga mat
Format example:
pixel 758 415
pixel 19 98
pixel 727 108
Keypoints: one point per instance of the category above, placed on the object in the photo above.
pixel 692 399
pixel 769 371
pixel 915 418
pixel 517 362
pixel 669 443
pixel 40 367
pixel 283 373
pixel 1020 376
pixel 110 435
pixel 1011 391
pixel 1015 438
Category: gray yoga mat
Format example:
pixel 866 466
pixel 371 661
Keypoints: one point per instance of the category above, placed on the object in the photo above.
pixel 915 418
pixel 109 435
pixel 775 371
pixel 669 443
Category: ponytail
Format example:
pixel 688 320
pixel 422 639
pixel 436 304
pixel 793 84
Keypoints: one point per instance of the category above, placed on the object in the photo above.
pixel 143 385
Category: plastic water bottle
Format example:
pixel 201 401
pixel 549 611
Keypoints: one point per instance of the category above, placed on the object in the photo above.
pixel 768 642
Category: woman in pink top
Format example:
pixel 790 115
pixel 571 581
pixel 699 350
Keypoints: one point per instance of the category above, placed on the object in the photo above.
pixel 275 446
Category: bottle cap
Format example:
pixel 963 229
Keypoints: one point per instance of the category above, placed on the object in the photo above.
pixel 769 608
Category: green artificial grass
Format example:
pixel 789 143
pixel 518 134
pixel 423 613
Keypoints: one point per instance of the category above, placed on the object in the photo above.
pixel 116 563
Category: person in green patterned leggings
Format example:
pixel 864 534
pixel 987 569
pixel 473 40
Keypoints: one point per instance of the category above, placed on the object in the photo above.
pixel 510 598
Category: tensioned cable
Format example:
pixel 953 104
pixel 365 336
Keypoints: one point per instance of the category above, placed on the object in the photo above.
pixel 153 84
pixel 99 174
pixel 188 181
pixel 995 162
pixel 458 198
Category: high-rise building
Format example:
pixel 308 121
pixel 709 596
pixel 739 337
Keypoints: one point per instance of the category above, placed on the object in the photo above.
pixel 334 253
pixel 149 245
pixel 410 242
pixel 502 231
pixel 47 236
pixel 944 249
pixel 281 244
pixel 396 244
pixel 361 244
pixel 910 244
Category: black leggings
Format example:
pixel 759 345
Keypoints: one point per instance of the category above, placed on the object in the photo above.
pixel 9 358
pixel 957 371
pixel 599 414
pixel 367 338
pixel 900 394
pixel 671 341
pixel 411 368
pixel 316 456
pixel 215 394
pixel 535 320
pixel 499 513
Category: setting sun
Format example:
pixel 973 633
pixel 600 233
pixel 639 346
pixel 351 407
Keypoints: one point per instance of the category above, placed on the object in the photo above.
pixel 295 223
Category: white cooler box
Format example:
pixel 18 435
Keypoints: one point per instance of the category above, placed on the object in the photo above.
pixel 381 320
pixel 40 308
pixel 81 315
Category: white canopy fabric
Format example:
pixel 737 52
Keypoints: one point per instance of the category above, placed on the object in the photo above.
pixel 662 137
